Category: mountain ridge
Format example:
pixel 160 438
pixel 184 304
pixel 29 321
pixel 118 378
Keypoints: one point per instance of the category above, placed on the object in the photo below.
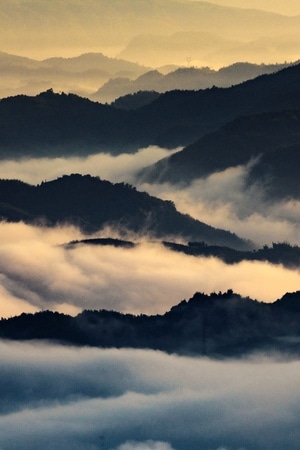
pixel 269 142
pixel 91 204
pixel 217 325
pixel 184 78
pixel 80 74
pixel 58 124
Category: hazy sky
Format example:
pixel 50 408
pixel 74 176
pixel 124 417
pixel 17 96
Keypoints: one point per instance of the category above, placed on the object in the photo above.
pixel 41 29
pixel 288 7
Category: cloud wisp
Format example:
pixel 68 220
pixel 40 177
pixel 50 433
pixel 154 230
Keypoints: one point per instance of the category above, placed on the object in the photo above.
pixel 223 201
pixel 60 397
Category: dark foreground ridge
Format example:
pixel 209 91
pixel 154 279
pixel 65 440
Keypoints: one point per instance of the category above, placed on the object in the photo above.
pixel 216 325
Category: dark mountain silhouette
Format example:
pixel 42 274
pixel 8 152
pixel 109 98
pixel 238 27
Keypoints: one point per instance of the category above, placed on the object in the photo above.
pixel 184 78
pixel 135 101
pixel 102 241
pixel 56 124
pixel 91 204
pixel 188 114
pixel 216 325
pixel 271 140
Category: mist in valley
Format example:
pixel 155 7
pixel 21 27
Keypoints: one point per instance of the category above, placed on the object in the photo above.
pixel 62 397
pixel 39 273
pixel 223 199
pixel 55 396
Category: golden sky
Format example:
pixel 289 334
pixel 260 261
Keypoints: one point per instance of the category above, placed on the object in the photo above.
pixel 287 7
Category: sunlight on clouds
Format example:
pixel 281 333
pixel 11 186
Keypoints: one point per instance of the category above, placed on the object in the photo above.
pixel 39 271
pixel 12 306
pixel 65 308
pixel 222 201
pixel 21 233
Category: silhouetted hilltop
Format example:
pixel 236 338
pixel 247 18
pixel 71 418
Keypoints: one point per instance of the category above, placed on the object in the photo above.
pixel 91 204
pixel 217 325
pixel 53 124
pixel 57 124
pixel 136 100
pixel 102 241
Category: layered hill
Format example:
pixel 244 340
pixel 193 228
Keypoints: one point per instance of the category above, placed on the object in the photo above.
pixel 92 204
pixel 80 75
pixel 270 140
pixel 184 78
pixel 216 325
pixel 59 124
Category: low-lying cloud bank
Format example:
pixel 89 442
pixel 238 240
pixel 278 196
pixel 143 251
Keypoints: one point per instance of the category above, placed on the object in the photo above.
pixel 113 168
pixel 56 397
pixel 220 200
pixel 38 272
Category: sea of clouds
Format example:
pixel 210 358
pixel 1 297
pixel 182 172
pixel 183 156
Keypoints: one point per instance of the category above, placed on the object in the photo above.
pixel 58 397
pixel 39 272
